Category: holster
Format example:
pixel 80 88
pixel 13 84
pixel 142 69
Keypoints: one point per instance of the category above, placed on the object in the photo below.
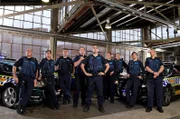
pixel 94 74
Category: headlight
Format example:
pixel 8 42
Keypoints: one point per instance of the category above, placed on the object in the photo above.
pixel 143 86
pixel 116 82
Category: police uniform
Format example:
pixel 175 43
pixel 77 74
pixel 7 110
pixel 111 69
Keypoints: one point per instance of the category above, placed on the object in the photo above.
pixel 134 70
pixel 65 70
pixel 94 65
pixel 29 67
pixel 80 83
pixel 154 84
pixel 119 65
pixel 47 71
pixel 109 82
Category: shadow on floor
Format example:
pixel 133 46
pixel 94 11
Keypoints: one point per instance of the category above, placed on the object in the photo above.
pixel 68 112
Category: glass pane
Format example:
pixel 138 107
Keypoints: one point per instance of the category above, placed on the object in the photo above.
pixel 19 17
pixel 19 8
pixel 28 7
pixel 28 17
pixel 16 48
pixel 38 13
pixel 46 28
pixel 75 46
pixel 18 23
pixel 1 21
pixel 60 44
pixel 17 39
pixel 47 13
pixel 45 20
pixel 28 25
pixel 37 27
pixel 37 19
pixel 36 41
pixel 16 55
pixel 1 11
pixel 9 8
pixel 8 12
pixel 7 38
pixel 68 45
pixel 6 49
pixel 8 22
pixel 27 40
pixel 45 42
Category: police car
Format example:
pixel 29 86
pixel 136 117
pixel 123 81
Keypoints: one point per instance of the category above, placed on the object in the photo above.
pixel 9 88
pixel 171 85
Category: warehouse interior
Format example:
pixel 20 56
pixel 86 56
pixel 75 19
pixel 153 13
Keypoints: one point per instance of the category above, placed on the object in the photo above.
pixel 70 24
pixel 116 26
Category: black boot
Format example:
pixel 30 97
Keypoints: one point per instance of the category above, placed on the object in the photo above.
pixel 159 109
pixel 112 101
pixel 86 108
pixel 148 109
pixel 101 108
pixel 20 109
pixel 129 106
pixel 75 106
pixel 64 102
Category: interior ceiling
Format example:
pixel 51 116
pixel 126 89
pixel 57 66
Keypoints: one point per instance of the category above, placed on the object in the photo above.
pixel 121 18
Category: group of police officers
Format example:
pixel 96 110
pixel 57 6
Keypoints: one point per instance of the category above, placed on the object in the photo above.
pixel 91 72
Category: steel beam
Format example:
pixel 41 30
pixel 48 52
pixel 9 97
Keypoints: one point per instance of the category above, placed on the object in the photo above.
pixel 94 12
pixel 160 13
pixel 147 3
pixel 43 8
pixel 148 11
pixel 153 14
pixel 143 15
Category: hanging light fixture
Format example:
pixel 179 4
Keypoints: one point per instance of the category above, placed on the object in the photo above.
pixel 108 25
pixel 46 1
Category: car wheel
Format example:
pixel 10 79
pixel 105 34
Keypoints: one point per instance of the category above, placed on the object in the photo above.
pixel 167 96
pixel 9 96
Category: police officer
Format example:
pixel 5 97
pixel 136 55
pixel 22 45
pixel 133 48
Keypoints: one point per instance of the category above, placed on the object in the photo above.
pixel 119 65
pixel 26 79
pixel 94 64
pixel 154 68
pixel 65 67
pixel 135 71
pixel 80 78
pixel 109 79
pixel 47 67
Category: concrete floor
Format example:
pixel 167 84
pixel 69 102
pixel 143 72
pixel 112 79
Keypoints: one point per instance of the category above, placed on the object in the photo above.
pixel 113 111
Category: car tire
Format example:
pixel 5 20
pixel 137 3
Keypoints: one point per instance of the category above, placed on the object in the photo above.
pixel 9 96
pixel 167 95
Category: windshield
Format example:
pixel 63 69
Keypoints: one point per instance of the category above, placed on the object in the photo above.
pixel 167 70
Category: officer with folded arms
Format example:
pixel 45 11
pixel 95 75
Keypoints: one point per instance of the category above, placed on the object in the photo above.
pixel 80 78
